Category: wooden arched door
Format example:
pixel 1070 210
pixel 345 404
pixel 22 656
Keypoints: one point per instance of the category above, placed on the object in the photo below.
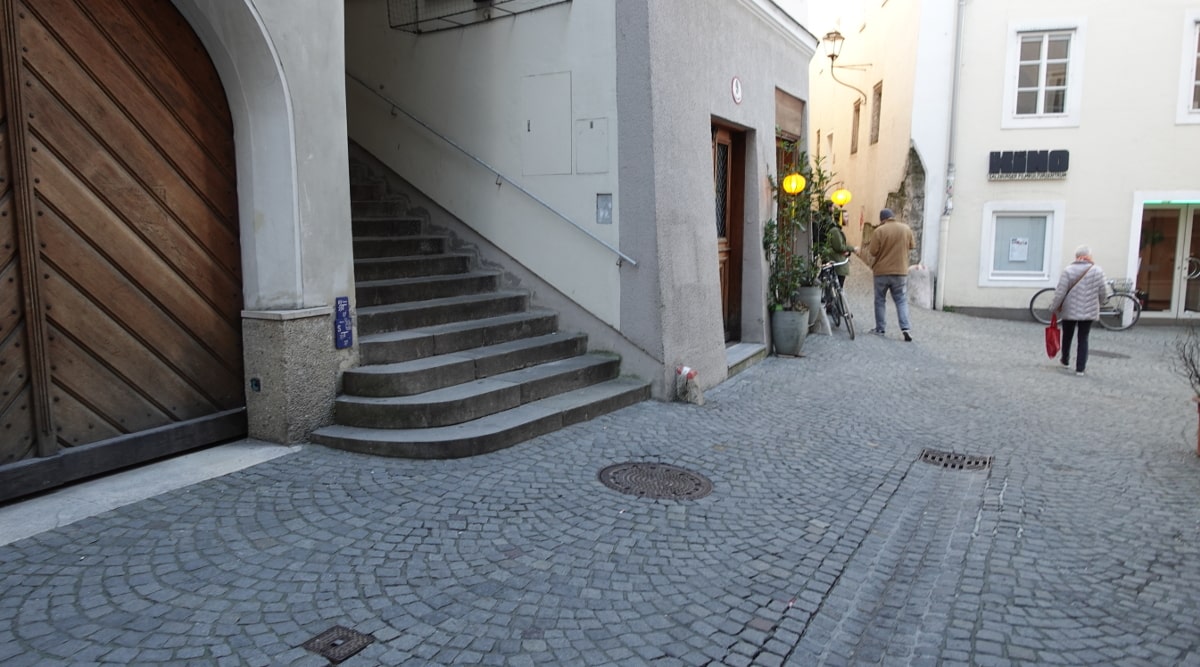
pixel 120 277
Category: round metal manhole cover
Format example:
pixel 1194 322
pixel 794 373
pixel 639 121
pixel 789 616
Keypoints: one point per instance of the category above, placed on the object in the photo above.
pixel 656 480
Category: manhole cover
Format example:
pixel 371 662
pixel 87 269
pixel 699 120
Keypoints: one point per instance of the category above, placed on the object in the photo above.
pixel 656 480
pixel 337 643
pixel 952 461
pixel 1108 355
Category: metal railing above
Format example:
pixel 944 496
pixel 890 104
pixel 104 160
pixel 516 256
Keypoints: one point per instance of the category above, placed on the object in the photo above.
pixel 419 16
pixel 499 176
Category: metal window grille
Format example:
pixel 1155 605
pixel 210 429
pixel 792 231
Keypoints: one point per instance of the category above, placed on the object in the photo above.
pixel 421 16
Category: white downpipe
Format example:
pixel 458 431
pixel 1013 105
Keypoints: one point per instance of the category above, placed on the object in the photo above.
pixel 939 284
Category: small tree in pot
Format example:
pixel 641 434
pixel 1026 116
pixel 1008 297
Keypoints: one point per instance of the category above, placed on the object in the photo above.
pixel 793 259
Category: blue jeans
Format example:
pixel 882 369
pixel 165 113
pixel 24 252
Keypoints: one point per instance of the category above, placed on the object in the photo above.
pixel 898 286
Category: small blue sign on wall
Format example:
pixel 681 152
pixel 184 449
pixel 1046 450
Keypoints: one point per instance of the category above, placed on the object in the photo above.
pixel 343 327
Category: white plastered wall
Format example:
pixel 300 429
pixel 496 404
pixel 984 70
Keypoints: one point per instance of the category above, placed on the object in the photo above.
pixel 1127 139
pixel 281 63
pixel 491 88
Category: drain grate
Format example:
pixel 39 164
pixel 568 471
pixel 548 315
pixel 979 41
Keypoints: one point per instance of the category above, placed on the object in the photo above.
pixel 1108 355
pixel 656 480
pixel 952 461
pixel 337 643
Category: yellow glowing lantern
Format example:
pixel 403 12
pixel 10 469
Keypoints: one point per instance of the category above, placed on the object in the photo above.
pixel 793 183
pixel 840 197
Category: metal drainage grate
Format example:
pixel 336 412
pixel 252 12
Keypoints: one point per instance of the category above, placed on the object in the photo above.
pixel 953 461
pixel 337 643
pixel 656 480
pixel 1108 355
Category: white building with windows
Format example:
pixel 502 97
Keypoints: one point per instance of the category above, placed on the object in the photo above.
pixel 1035 132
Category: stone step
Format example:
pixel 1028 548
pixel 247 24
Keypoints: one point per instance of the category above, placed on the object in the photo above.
pixel 396 346
pixel 493 432
pixel 398 246
pixel 423 288
pixel 364 191
pixel 386 227
pixel 378 208
pixel 382 268
pixel 478 398
pixel 410 315
pixel 407 378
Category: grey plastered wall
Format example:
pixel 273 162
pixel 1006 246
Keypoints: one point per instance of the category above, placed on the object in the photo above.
pixel 282 65
pixel 675 66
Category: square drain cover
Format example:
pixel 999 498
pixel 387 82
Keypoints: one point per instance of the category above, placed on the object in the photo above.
pixel 952 461
pixel 337 643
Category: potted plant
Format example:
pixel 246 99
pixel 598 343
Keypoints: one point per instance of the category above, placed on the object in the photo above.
pixel 793 260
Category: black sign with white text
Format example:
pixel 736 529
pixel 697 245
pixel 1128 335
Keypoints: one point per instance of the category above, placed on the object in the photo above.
pixel 1028 165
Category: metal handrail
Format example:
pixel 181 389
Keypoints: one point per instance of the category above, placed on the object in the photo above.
pixel 499 176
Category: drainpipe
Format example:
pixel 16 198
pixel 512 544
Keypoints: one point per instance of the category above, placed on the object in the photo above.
pixel 939 292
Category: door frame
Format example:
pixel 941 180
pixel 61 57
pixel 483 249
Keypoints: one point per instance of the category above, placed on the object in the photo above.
pixel 1187 203
pixel 735 224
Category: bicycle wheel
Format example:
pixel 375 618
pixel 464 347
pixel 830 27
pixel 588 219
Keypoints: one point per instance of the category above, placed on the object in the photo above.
pixel 1120 312
pixel 1039 305
pixel 833 306
pixel 841 301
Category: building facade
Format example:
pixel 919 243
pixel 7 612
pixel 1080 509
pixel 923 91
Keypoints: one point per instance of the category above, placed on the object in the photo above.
pixel 1025 151
pixel 216 149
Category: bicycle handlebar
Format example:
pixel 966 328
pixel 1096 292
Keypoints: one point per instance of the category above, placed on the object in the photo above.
pixel 830 265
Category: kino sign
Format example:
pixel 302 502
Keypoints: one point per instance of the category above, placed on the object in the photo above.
pixel 1028 165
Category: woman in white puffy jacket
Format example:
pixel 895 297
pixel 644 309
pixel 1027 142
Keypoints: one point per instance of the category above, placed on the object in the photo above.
pixel 1081 292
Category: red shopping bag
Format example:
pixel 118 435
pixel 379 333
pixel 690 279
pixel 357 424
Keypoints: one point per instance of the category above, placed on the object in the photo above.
pixel 1053 337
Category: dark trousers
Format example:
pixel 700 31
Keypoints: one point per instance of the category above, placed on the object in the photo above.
pixel 1081 355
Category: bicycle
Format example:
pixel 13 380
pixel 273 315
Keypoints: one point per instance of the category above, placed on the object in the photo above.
pixel 834 298
pixel 1121 309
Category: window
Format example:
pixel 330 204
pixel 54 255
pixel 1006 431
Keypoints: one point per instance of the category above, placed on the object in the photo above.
pixel 1042 73
pixel 854 127
pixel 1196 71
pixel 876 100
pixel 1044 76
pixel 1021 243
pixel 1189 71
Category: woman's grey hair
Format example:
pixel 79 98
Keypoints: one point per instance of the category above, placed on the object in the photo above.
pixel 1083 251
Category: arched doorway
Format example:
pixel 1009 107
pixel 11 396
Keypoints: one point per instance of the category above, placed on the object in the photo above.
pixel 120 265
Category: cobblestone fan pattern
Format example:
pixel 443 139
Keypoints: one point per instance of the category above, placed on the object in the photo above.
pixel 824 540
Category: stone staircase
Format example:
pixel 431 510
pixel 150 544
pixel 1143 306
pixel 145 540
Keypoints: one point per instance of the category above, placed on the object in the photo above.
pixel 452 365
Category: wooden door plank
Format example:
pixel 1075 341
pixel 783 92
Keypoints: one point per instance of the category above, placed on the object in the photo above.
pixel 77 374
pixel 114 130
pixel 19 182
pixel 17 429
pixel 127 225
pixel 103 338
pixel 76 425
pixel 167 61
pixel 34 475
pixel 141 317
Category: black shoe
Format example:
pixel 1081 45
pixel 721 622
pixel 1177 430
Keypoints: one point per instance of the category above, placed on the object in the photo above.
pixel 907 336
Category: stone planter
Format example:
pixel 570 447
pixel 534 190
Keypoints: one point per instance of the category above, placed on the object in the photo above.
pixel 811 297
pixel 789 328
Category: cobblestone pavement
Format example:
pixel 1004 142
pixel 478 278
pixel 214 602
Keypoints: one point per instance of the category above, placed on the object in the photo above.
pixel 825 539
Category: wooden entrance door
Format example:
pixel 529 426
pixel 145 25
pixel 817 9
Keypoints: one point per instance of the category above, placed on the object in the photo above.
pixel 120 277
pixel 729 168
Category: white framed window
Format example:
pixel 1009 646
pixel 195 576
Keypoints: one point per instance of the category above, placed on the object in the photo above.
pixel 1021 243
pixel 1044 75
pixel 1189 71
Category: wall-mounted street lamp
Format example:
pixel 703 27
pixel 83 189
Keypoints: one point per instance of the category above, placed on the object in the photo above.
pixel 833 48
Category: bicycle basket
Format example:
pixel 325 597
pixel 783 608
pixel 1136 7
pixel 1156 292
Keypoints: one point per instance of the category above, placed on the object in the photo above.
pixel 1123 285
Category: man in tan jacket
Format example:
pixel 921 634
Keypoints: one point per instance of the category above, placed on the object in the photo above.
pixel 887 255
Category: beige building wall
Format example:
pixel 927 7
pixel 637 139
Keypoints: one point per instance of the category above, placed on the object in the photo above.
pixel 1121 131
